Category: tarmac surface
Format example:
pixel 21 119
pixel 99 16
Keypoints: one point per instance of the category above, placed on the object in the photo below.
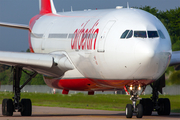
pixel 57 113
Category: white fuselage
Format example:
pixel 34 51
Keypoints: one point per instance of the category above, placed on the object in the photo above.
pixel 92 41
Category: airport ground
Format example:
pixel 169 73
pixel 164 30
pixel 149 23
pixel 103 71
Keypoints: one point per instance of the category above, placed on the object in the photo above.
pixel 58 113
pixel 110 102
pixel 82 107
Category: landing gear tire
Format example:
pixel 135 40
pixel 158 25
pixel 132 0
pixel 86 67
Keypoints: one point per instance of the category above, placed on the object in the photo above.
pixel 165 107
pixel 7 107
pixel 129 111
pixel 139 111
pixel 26 107
pixel 147 106
pixel 161 105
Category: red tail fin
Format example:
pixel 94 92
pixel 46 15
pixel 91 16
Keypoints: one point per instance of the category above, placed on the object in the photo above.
pixel 47 6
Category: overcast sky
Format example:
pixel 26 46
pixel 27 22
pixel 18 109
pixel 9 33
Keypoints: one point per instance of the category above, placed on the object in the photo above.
pixel 21 11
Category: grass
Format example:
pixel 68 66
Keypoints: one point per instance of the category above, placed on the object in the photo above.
pixel 99 101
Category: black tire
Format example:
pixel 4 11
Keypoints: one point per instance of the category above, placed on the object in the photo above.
pixel 144 104
pixel 139 111
pixel 129 111
pixel 7 107
pixel 149 107
pixel 167 106
pixel 26 107
pixel 160 111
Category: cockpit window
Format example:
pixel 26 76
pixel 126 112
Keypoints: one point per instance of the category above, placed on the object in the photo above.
pixel 161 34
pixel 124 34
pixel 152 34
pixel 130 34
pixel 140 34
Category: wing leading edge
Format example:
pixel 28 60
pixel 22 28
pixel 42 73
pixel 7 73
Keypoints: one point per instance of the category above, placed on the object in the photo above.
pixel 175 59
pixel 12 25
pixel 54 65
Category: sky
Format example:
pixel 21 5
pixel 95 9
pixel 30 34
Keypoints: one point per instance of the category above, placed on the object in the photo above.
pixel 21 11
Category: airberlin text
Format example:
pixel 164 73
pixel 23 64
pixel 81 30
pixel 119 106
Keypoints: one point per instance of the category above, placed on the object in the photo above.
pixel 85 39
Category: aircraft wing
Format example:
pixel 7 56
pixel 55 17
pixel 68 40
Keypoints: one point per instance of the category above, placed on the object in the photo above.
pixel 54 65
pixel 175 59
pixel 11 25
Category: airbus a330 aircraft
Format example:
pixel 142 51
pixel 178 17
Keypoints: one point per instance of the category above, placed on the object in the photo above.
pixel 94 50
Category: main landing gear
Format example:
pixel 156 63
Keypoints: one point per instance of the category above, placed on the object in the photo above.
pixel 161 105
pixel 16 105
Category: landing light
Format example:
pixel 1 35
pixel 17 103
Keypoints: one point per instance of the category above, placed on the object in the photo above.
pixel 119 7
pixel 131 87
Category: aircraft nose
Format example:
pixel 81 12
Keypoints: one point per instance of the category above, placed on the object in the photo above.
pixel 151 58
pixel 146 57
pixel 144 52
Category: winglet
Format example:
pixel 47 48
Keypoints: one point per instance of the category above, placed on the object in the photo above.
pixel 46 6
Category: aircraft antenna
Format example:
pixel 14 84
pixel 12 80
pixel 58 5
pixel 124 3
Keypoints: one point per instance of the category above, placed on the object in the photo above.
pixel 71 9
pixel 127 5
pixel 39 5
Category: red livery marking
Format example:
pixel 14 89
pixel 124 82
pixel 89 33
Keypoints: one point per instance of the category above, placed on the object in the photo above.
pixel 126 90
pixel 86 84
pixel 96 32
pixel 45 7
pixel 85 38
pixel 31 24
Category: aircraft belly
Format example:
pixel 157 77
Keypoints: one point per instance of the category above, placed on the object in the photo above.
pixel 85 84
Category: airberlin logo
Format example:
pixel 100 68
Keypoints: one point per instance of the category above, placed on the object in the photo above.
pixel 85 39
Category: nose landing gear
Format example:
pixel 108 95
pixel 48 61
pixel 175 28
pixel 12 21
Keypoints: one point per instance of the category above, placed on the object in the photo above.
pixel 147 105
pixel 133 108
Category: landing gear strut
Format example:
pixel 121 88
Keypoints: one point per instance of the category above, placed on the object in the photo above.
pixel 24 106
pixel 161 105
pixel 130 109
pixel 147 105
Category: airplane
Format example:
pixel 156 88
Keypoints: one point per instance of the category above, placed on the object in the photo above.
pixel 94 50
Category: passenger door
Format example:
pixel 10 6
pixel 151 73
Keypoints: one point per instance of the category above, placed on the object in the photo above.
pixel 102 40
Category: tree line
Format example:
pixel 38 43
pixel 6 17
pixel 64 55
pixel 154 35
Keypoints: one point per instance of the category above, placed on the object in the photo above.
pixel 170 19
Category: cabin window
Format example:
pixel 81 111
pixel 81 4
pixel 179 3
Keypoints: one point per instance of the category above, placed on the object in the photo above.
pixel 130 34
pixel 58 35
pixel 140 34
pixel 152 34
pixel 161 34
pixel 71 35
pixel 124 34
